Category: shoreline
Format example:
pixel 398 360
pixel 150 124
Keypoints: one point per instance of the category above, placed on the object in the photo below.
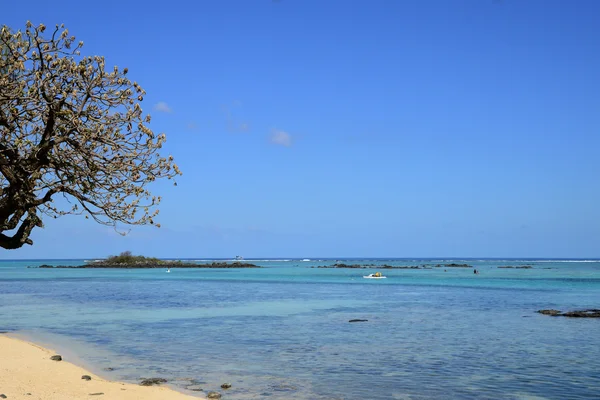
pixel 27 372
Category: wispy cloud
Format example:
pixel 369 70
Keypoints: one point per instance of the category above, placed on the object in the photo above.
pixel 281 138
pixel 161 106
pixel 192 126
pixel 233 124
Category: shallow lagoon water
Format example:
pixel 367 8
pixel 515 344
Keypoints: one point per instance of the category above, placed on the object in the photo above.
pixel 282 332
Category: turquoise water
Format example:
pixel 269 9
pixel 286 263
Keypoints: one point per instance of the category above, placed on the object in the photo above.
pixel 282 332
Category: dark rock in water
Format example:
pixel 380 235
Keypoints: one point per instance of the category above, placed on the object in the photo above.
pixel 342 265
pixel 549 312
pixel 194 388
pixel 164 265
pixel 86 377
pixel 213 395
pixel 590 313
pixel 45 266
pixel 506 266
pixel 358 320
pixel 56 358
pixel 284 388
pixel 383 266
pixel 524 267
pixel 454 265
pixel 109 369
pixel 226 386
pixel 153 381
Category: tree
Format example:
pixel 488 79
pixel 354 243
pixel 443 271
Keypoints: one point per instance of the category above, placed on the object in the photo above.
pixel 69 127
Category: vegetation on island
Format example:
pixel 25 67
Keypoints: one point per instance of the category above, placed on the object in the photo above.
pixel 70 127
pixel 127 260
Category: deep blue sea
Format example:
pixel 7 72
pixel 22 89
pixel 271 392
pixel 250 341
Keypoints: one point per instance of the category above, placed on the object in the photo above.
pixel 282 332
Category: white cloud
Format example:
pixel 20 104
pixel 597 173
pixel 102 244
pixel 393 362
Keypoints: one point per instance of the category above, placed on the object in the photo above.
pixel 281 138
pixel 161 106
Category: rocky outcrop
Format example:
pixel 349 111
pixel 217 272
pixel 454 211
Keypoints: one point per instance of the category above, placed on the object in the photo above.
pixel 86 377
pixel 226 386
pixel 153 381
pixel 549 312
pixel 387 266
pixel 163 265
pixel 454 265
pixel 56 358
pixel 589 313
pixel 213 395
pixel 235 264
pixel 365 266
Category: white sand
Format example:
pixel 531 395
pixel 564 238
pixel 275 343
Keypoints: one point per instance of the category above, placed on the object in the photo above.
pixel 26 372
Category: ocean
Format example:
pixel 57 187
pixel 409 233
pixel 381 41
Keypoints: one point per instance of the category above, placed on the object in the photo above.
pixel 283 331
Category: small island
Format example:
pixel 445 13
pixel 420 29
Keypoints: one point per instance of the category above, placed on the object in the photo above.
pixel 386 266
pixel 126 260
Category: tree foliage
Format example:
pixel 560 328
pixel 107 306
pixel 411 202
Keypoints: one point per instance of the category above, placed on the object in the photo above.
pixel 127 258
pixel 70 127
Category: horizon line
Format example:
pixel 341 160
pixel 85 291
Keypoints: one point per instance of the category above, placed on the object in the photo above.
pixel 323 258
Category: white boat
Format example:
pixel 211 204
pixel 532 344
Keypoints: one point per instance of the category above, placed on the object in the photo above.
pixel 376 275
pixel 239 258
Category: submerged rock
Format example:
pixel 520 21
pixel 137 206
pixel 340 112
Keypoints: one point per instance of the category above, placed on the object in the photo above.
pixel 358 320
pixel 283 387
pixel 153 381
pixel 56 358
pixel 589 313
pixel 226 386
pixel 213 395
pixel 455 265
pixel 549 312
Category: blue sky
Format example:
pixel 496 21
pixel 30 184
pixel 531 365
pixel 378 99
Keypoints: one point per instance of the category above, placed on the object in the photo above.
pixel 354 128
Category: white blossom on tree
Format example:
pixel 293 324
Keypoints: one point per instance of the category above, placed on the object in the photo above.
pixel 71 127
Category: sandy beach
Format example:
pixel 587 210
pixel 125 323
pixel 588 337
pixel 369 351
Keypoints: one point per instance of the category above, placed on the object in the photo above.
pixel 27 372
